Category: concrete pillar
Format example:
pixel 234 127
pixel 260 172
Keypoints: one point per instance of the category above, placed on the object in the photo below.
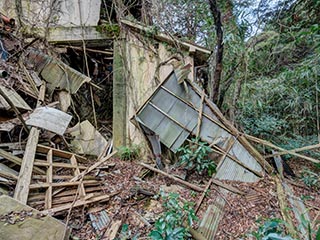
pixel 119 124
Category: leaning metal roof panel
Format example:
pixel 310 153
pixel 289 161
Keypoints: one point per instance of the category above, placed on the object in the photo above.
pixel 172 113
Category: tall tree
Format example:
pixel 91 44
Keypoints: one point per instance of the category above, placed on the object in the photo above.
pixel 216 78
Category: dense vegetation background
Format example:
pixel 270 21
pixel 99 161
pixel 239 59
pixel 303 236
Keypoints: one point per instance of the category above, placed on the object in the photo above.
pixel 270 68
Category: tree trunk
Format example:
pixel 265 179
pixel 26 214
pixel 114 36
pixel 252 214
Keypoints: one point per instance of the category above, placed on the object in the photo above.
pixel 236 96
pixel 19 12
pixel 219 50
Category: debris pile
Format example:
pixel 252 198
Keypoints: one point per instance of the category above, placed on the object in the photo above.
pixel 56 163
pixel 41 137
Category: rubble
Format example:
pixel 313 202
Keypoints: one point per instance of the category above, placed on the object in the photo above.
pixel 56 163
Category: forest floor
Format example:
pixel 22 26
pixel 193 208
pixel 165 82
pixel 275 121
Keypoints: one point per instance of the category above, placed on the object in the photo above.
pixel 137 211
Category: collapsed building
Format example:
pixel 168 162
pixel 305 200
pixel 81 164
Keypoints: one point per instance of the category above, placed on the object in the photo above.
pixel 140 86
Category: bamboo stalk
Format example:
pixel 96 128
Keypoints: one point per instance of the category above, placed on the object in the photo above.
pixel 295 150
pixel 269 144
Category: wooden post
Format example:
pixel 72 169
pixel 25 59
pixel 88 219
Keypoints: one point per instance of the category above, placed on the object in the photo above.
pixel 22 188
pixel 73 161
pixel 48 198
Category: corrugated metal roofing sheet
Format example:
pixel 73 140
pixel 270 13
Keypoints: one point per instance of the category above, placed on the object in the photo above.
pixel 172 113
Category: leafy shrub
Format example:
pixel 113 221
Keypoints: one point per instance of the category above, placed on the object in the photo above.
pixel 310 178
pixel 195 156
pixel 271 229
pixel 126 234
pixel 129 153
pixel 170 225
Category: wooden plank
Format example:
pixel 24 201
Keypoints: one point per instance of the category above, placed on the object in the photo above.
pixel 18 161
pixel 56 164
pixel 22 188
pixel 94 166
pixel 187 184
pixel 63 184
pixel 60 177
pixel 32 227
pixel 78 203
pixel 82 191
pixel 69 192
pixel 58 152
pixel 112 230
pixel 48 198
pixel 284 209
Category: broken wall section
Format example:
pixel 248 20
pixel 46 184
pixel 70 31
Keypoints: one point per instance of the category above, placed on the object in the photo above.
pixel 143 62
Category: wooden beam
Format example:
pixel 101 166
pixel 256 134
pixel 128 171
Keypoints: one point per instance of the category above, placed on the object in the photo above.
pixel 15 109
pixel 200 115
pixel 306 148
pixel 59 153
pixel 48 198
pixel 269 144
pixel 190 185
pixel 94 166
pixel 229 146
pixel 187 184
pixel 22 188
pixel 82 191
pixel 78 203
pixel 56 164
pixel 62 184
pixel 18 161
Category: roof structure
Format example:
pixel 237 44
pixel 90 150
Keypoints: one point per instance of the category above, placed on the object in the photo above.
pixel 176 111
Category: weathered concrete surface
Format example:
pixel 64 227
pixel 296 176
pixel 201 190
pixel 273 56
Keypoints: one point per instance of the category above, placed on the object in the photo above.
pixel 32 227
pixel 119 95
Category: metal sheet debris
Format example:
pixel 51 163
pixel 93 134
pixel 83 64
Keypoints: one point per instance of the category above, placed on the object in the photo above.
pixel 172 113
pixel 15 98
pixel 57 74
pixel 50 119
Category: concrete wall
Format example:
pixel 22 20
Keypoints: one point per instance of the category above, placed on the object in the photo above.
pixel 62 18
pixel 63 13
pixel 141 58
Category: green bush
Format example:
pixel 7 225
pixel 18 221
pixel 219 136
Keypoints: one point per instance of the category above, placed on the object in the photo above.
pixel 271 229
pixel 170 225
pixel 195 156
pixel 129 152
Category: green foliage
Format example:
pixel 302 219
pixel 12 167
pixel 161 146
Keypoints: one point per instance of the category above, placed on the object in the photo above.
pixel 310 179
pixel 195 156
pixel 126 234
pixel 112 29
pixel 170 224
pixel 271 229
pixel 129 153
